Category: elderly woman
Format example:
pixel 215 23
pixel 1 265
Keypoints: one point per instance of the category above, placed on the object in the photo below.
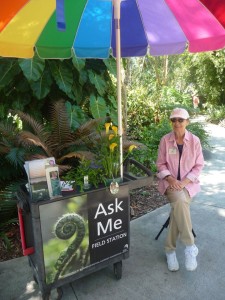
pixel 180 161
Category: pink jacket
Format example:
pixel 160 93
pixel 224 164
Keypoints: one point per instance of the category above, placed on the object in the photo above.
pixel 191 163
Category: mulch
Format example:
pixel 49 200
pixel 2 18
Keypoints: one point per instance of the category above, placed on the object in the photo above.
pixel 145 199
pixel 142 201
pixel 13 250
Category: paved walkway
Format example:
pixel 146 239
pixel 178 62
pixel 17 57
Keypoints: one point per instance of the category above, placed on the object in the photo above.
pixel 145 275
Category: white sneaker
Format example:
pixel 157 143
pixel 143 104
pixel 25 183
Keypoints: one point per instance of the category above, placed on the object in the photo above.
pixel 190 257
pixel 172 262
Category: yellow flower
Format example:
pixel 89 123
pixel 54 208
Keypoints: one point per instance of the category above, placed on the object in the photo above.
pixel 112 146
pixel 107 125
pixel 115 129
pixel 111 136
pixel 131 148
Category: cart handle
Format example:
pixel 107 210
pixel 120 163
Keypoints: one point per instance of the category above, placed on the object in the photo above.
pixel 138 165
pixel 26 251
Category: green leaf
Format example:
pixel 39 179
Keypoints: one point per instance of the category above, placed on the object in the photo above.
pixel 114 116
pixel 98 82
pixel 98 107
pixel 8 69
pixel 111 65
pixel 32 68
pixel 23 86
pixel 77 92
pixel 42 87
pixel 78 63
pixel 113 101
pixel 83 77
pixel 21 100
pixel 76 115
pixel 63 75
pixel 113 110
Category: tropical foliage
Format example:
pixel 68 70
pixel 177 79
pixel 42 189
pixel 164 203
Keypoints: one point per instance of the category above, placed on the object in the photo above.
pixel 33 139
pixel 86 84
pixel 54 137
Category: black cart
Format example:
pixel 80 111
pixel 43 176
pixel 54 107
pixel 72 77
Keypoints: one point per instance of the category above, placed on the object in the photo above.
pixel 79 233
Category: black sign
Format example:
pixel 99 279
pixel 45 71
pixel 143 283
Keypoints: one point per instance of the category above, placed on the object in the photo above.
pixel 108 219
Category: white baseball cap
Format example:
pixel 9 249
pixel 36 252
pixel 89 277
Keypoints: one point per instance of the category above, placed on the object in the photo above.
pixel 179 113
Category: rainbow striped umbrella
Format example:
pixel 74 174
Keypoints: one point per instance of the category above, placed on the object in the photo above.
pixel 87 27
pixel 99 28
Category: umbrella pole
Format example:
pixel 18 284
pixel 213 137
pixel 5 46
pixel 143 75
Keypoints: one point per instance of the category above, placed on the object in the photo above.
pixel 116 4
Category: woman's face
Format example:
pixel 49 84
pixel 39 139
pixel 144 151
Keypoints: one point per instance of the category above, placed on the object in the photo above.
pixel 179 124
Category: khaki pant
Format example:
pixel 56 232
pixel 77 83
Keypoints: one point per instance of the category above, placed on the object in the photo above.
pixel 180 219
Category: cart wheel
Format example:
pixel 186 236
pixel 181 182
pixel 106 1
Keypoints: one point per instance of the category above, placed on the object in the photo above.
pixel 118 269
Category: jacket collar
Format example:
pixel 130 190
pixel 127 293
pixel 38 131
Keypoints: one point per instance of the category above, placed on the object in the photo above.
pixel 186 136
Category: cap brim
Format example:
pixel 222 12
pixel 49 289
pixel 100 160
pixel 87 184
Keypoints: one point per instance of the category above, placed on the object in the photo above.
pixel 178 116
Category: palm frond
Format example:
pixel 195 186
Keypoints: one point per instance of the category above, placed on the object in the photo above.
pixel 4 149
pixel 16 157
pixel 9 191
pixel 8 201
pixel 9 142
pixel 61 132
pixel 78 142
pixel 79 154
pixel 8 212
pixel 87 128
pixel 8 172
pixel 36 156
pixel 27 138
pixel 64 168
pixel 38 128
pixel 84 141
pixel 7 129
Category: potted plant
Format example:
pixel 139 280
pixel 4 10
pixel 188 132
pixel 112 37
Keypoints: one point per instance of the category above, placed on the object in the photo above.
pixel 108 152
pixel 104 167
pixel 85 176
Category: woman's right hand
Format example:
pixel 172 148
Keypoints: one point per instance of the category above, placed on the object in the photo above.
pixel 174 184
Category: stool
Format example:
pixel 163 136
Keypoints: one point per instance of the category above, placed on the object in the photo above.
pixel 165 225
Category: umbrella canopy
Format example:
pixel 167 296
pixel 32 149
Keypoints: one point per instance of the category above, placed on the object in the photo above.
pixel 87 28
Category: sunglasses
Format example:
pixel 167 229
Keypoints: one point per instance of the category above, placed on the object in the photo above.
pixel 177 120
